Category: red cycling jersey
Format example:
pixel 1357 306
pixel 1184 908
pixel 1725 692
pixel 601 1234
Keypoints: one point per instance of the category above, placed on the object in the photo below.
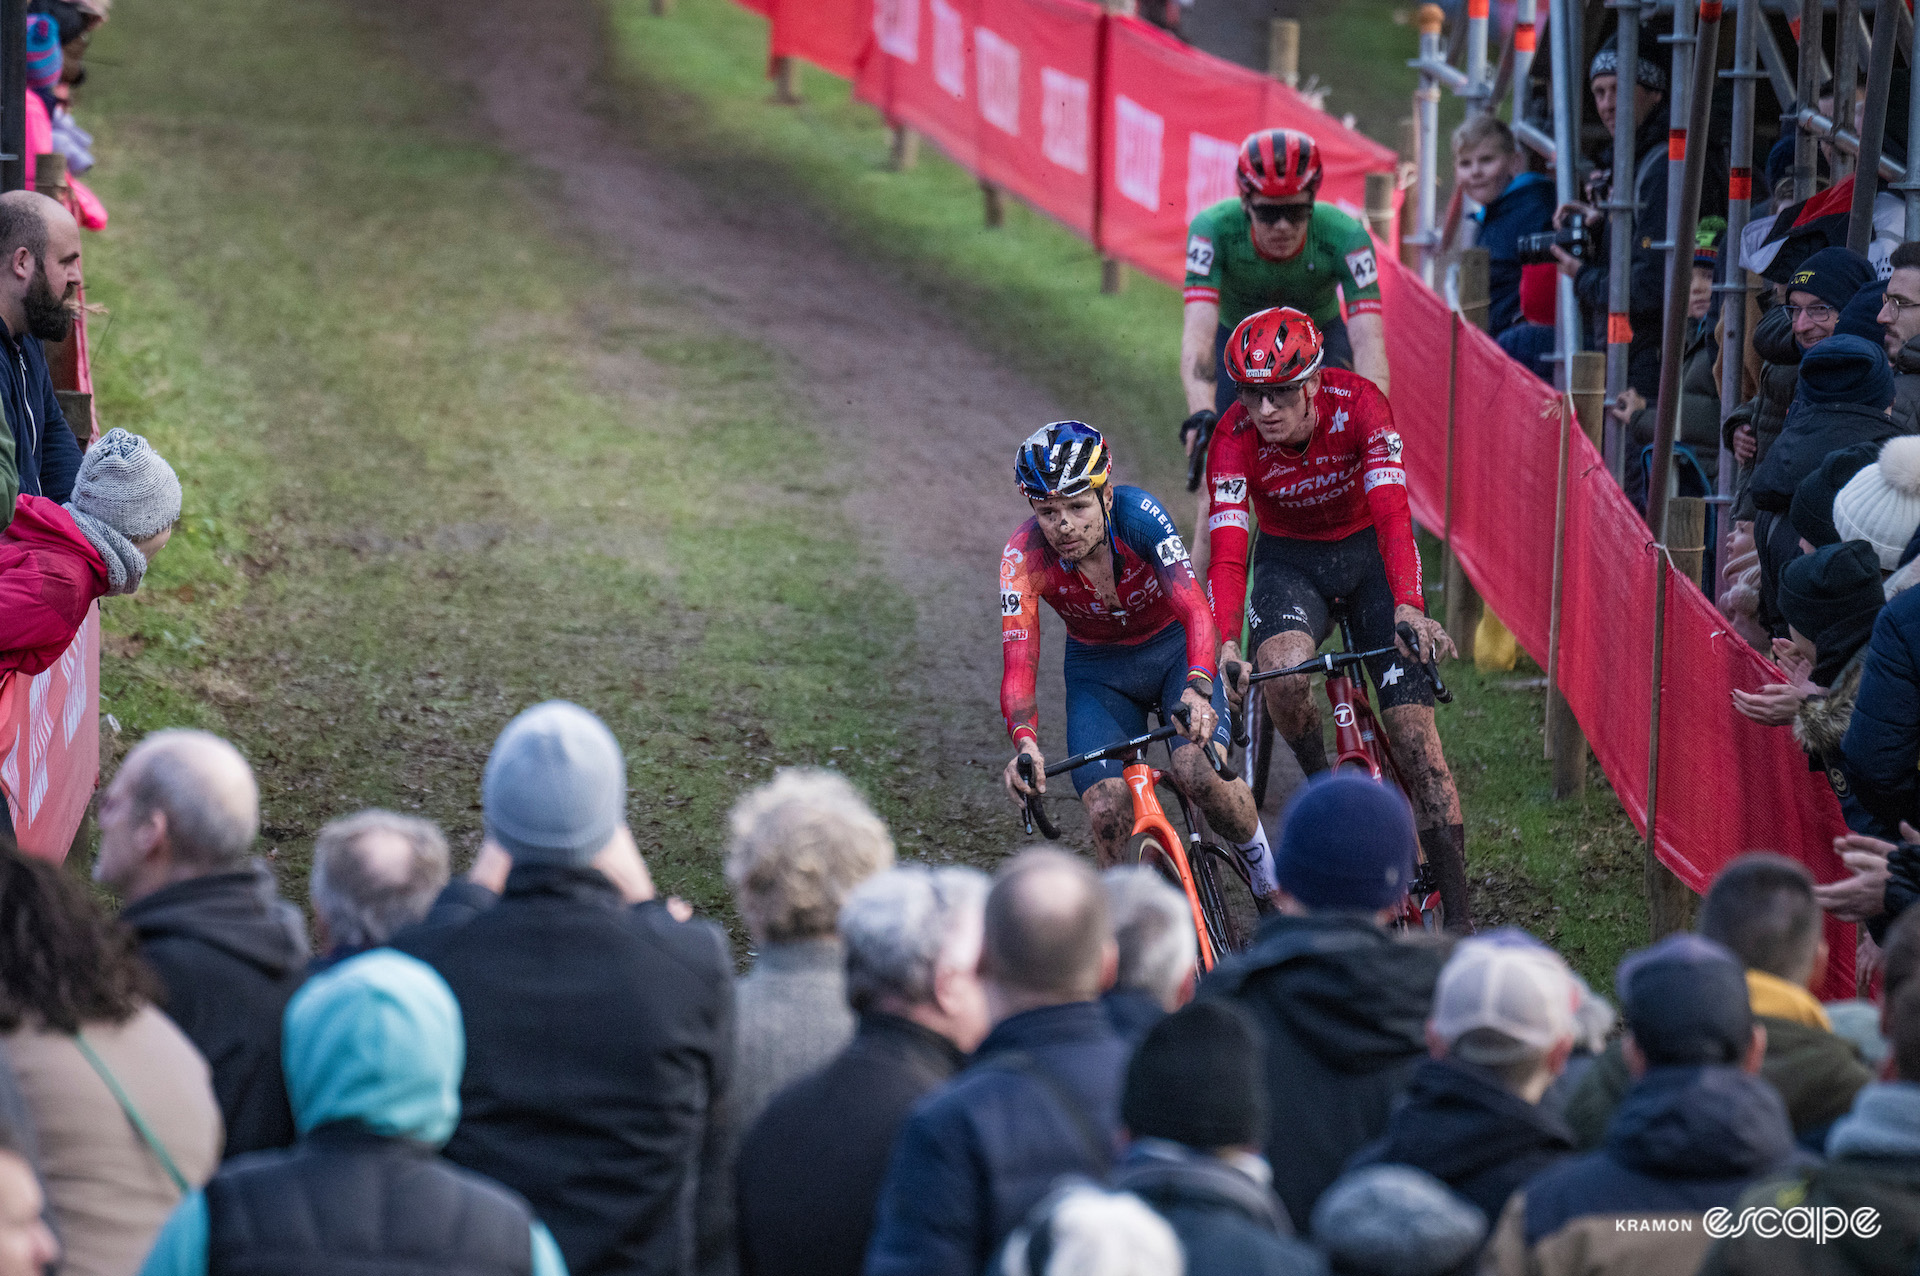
pixel 1153 577
pixel 1348 478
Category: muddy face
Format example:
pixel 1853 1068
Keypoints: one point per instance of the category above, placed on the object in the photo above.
pixel 1074 525
pixel 1282 413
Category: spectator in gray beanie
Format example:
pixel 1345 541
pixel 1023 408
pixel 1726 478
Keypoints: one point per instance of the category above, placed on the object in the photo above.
pixel 1394 1220
pixel 1194 1106
pixel 1340 1002
pixel 56 560
pixel 599 1027
pixel 1812 510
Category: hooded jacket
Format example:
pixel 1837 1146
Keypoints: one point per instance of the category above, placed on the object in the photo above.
pixel 1684 1140
pixel 1041 1098
pixel 50 573
pixel 1882 743
pixel 1228 1223
pixel 1812 430
pixel 374 1049
pixel 599 1060
pixel 44 449
pixel 1525 207
pixel 1815 1071
pixel 1873 1161
pixel 229 952
pixel 1459 1124
pixel 1342 1006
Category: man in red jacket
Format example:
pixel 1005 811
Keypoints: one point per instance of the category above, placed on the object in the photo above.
pixel 55 560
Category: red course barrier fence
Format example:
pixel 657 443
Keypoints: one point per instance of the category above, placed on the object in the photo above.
pixel 1022 92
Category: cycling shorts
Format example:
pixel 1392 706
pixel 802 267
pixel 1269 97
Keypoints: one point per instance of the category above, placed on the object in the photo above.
pixel 1333 340
pixel 1111 688
pixel 1292 584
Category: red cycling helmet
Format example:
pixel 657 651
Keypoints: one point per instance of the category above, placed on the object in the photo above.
pixel 1277 162
pixel 1274 347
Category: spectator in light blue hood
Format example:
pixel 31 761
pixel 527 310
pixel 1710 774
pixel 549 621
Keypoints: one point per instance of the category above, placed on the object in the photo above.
pixel 373 1050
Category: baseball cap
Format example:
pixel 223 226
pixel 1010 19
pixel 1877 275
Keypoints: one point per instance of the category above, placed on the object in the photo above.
pixel 1521 996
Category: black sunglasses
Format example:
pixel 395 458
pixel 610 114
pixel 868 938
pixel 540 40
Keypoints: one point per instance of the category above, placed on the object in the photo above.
pixel 1268 214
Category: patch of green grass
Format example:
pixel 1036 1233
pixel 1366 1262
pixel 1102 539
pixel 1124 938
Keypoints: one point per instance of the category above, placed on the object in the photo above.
pixel 440 464
pixel 693 91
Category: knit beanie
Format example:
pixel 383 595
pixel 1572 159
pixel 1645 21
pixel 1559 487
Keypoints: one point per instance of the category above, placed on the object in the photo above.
pixel 1812 510
pixel 1833 275
pixel 1834 580
pixel 1648 70
pixel 1196 1079
pixel 1880 504
pixel 125 484
pixel 1685 1001
pixel 1346 843
pixel 1861 316
pixel 1394 1220
pixel 43 53
pixel 1706 242
pixel 555 787
pixel 1847 370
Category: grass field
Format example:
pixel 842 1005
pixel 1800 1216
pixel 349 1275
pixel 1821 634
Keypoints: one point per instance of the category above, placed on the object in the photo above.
pixel 441 462
pixel 693 91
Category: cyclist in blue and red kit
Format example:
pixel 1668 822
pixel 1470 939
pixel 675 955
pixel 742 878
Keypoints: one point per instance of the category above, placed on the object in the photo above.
pixel 1140 637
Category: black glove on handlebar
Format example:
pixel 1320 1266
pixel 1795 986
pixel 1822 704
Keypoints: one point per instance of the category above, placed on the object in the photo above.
pixel 1200 423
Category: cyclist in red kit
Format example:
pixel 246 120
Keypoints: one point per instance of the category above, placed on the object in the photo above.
pixel 1140 638
pixel 1309 455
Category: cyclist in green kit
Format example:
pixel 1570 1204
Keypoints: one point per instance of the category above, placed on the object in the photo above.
pixel 1275 245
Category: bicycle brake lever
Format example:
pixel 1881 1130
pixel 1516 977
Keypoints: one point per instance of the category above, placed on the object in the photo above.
pixel 1218 760
pixel 1031 810
pixel 1432 666
pixel 1231 671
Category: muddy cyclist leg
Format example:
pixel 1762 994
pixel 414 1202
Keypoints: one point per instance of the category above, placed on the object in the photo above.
pixel 1296 719
pixel 1436 805
pixel 1110 813
pixel 1231 814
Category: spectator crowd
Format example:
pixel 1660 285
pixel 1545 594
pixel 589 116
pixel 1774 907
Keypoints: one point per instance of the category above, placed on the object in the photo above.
pixel 544 1066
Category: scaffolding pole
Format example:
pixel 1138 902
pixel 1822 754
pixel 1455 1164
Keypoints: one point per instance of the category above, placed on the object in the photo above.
pixel 1523 43
pixel 1619 208
pixel 1479 93
pixel 1566 134
pixel 1679 111
pixel 1733 286
pixel 1873 127
pixel 1806 153
pixel 1909 186
pixel 1846 74
pixel 1426 114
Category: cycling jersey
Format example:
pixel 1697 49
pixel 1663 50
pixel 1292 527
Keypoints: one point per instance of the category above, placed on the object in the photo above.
pixel 1224 267
pixel 1152 575
pixel 1347 478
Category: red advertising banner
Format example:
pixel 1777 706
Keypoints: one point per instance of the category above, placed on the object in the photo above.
pixel 831 34
pixel 1727 785
pixel 1038 81
pixel 921 72
pixel 1175 120
pixel 50 745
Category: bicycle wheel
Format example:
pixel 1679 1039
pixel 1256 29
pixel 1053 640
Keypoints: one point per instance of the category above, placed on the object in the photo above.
pixel 1259 746
pixel 1226 897
pixel 1146 850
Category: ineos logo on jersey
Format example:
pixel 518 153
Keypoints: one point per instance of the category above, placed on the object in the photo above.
pixel 1171 551
pixel 1199 255
pixel 1230 491
pixel 1361 266
pixel 1009 602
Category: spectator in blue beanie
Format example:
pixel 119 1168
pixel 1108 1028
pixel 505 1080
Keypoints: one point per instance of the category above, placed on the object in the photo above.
pixel 1341 1003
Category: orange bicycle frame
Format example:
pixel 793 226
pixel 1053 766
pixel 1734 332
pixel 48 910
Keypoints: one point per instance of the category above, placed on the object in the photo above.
pixel 1150 817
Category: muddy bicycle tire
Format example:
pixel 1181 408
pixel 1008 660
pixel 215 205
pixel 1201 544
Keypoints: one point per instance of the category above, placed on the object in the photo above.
pixel 1226 898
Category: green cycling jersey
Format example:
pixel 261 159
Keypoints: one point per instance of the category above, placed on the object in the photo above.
pixel 1223 266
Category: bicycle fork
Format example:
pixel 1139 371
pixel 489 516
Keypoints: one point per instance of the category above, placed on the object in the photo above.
pixel 1150 817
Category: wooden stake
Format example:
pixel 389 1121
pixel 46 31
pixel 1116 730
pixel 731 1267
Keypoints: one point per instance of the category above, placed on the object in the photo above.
pixel 992 204
pixel 1463 601
pixel 662 8
pixel 1566 743
pixel 1687 535
pixel 1113 276
pixel 786 81
pixel 905 152
pixel 1380 206
pixel 1283 51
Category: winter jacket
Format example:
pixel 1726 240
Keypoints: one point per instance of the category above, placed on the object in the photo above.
pixel 44 449
pixel 1819 726
pixel 375 1080
pixel 1882 743
pixel 1873 1162
pixel 1132 1012
pixel 1229 1223
pixel 1767 410
pixel 1685 1140
pixel 1525 207
pixel 50 574
pixel 107 1192
pixel 599 1053
pixel 790 1017
pixel 1647 278
pixel 1342 1006
pixel 1699 413
pixel 809 1170
pixel 1461 1125
pixel 1815 1071
pixel 1040 1099
pixel 1906 382
pixel 1812 430
pixel 230 952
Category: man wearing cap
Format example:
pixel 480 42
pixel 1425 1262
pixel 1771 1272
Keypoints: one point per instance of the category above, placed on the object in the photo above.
pixel 1501 1031
pixel 1694 1132
pixel 599 1028
pixel 1194 1107
pixel 1340 1003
